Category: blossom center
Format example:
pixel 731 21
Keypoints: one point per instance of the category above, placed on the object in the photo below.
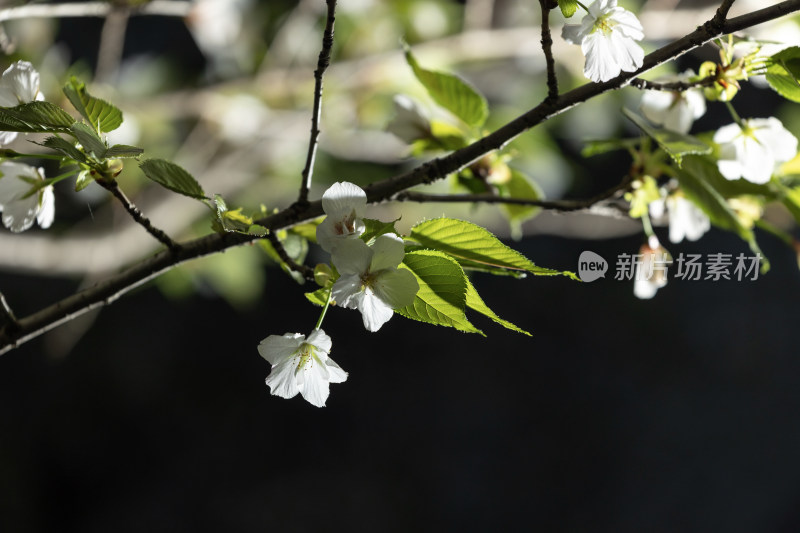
pixel 347 225
pixel 604 24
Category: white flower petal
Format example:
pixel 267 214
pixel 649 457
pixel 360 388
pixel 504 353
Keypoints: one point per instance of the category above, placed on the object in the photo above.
pixel 374 311
pixel 342 198
pixel 282 380
pixel 313 381
pixel 278 348
pixel 23 80
pixel 7 137
pixel 321 341
pixel 345 291
pixel 335 372
pixel 387 252
pixel 627 24
pixel 600 62
pixel 572 33
pixel 352 256
pixel 47 207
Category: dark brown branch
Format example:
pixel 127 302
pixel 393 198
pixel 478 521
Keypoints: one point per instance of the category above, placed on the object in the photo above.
pixel 113 188
pixel 110 289
pixel 277 245
pixel 547 48
pixel 322 64
pixel 722 11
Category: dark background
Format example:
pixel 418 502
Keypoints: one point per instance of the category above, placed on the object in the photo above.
pixel 676 414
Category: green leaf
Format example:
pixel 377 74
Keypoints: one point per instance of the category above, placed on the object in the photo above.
pixel 123 151
pixel 442 294
pixel 471 243
pixel 101 115
pixel 568 7
pixel 172 177
pixel 675 144
pixel 791 200
pixel 35 117
pixel 783 73
pixel 83 180
pixel 597 147
pixel 230 220
pixel 307 230
pixel 452 93
pixel 695 178
pixel 92 144
pixel 475 303
pixel 318 297
pixel 65 147
pixel 376 228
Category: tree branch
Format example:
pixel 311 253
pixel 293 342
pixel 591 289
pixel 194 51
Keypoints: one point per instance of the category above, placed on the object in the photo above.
pixel 108 290
pixel 112 43
pixel 113 187
pixel 277 245
pixel 547 48
pixel 7 318
pixel 322 64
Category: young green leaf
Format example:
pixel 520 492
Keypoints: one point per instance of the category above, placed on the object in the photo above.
pixel 318 297
pixel 675 144
pixel 452 93
pixel 568 7
pixel 35 117
pixel 471 243
pixel 475 303
pixel 173 177
pixel 123 151
pixel 376 228
pixel 65 147
pixel 783 73
pixel 442 294
pixel 101 115
pixel 83 180
pixel 92 144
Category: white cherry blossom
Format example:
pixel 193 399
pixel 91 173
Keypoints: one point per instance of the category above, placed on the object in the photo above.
pixel 651 269
pixel 753 153
pixel 19 84
pixel 370 280
pixel 301 365
pixel 686 220
pixel 409 122
pixel 607 35
pixel 344 204
pixel 19 207
pixel 675 110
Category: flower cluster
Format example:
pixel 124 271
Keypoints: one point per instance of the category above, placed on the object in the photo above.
pixel 370 280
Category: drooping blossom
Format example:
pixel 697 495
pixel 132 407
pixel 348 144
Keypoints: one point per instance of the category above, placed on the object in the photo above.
pixel 301 365
pixel 651 269
pixel 675 110
pixel 686 220
pixel 607 35
pixel 370 280
pixel 344 204
pixel 19 203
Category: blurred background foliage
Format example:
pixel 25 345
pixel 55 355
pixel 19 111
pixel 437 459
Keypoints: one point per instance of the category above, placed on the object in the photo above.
pixel 226 90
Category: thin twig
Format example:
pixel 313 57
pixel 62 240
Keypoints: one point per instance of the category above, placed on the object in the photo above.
pixel 113 188
pixel 112 42
pixel 110 289
pixel 556 205
pixel 277 245
pixel 7 317
pixel 680 86
pixel 167 8
pixel 722 12
pixel 547 48
pixel 322 64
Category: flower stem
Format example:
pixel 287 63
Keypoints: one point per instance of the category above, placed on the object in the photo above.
pixel 735 116
pixel 583 6
pixel 324 310
pixel 13 154
pixel 648 227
